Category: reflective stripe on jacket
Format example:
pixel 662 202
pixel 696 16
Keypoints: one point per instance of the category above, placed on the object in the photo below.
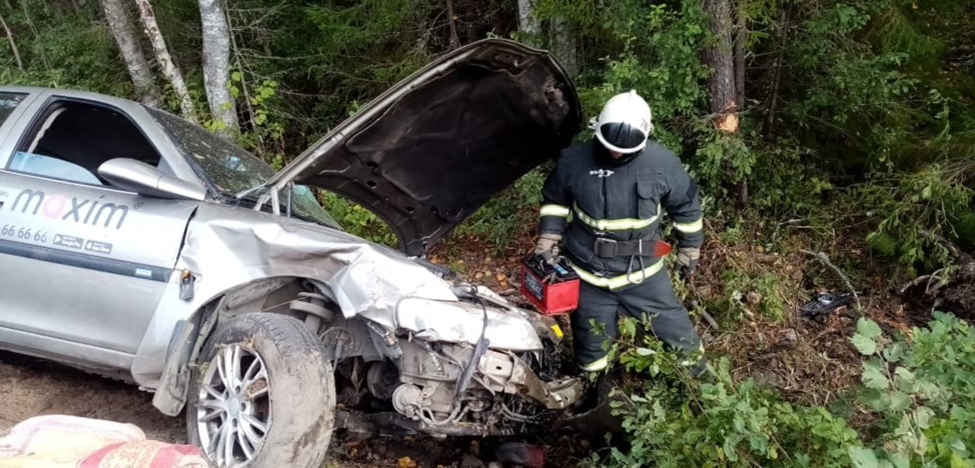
pixel 590 196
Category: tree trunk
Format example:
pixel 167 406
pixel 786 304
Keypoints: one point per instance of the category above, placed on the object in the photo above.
pixel 128 43
pixel 769 124
pixel 741 35
pixel 527 23
pixel 216 65
pixel 564 46
pixel 13 44
pixel 169 67
pixel 452 21
pixel 719 56
pixel 722 90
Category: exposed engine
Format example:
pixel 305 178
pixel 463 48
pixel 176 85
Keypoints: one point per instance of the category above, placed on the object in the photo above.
pixel 442 387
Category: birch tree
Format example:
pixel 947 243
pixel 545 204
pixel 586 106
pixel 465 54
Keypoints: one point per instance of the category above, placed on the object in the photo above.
pixel 564 45
pixel 216 65
pixel 120 21
pixel 165 60
pixel 527 22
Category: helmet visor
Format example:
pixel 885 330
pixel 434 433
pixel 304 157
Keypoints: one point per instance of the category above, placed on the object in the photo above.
pixel 622 135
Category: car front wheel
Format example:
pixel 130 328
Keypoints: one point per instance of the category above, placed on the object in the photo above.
pixel 263 394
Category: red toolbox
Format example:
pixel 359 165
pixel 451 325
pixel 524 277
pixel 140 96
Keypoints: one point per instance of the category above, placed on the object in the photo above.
pixel 552 288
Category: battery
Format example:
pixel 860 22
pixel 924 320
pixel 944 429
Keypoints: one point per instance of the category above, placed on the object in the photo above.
pixel 552 288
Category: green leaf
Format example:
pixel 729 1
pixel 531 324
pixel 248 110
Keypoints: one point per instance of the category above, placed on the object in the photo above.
pixel 897 460
pixel 927 390
pixel 899 401
pixel 873 375
pixel 923 416
pixel 958 462
pixel 863 457
pixel 864 344
pixel 645 351
pixel 903 379
pixel 868 328
pixel 894 352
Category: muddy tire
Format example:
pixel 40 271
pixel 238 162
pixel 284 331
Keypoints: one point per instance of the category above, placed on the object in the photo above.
pixel 263 394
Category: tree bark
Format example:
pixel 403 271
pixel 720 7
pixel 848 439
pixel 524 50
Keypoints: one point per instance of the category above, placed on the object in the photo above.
pixel 216 66
pixel 769 123
pixel 527 23
pixel 165 60
pixel 13 44
pixel 120 21
pixel 452 21
pixel 564 46
pixel 722 90
pixel 719 56
pixel 741 35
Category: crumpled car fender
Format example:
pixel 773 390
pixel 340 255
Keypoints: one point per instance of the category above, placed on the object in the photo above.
pixel 226 248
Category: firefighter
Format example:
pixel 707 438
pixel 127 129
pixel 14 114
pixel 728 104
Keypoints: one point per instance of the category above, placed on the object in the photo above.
pixel 616 189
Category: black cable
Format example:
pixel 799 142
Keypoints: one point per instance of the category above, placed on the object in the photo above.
pixel 482 344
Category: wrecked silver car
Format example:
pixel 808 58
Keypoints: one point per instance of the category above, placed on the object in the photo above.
pixel 142 247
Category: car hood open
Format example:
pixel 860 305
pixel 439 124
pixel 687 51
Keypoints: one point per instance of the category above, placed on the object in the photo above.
pixel 432 149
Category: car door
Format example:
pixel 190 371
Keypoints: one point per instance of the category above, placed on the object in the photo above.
pixel 82 265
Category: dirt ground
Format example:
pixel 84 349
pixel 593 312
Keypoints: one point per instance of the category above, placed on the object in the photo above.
pixel 33 387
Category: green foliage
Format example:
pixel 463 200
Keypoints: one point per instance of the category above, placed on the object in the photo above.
pixel 359 221
pixel 920 394
pixel 678 421
pixel 922 391
pixel 932 200
pixel 509 217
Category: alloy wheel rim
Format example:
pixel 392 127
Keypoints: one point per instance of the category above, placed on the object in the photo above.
pixel 233 414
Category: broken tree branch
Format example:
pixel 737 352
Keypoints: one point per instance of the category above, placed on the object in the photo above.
pixel 824 259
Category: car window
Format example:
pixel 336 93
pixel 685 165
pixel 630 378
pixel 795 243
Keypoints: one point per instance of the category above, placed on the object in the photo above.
pixel 228 168
pixel 9 102
pixel 71 139
pixel 51 167
pixel 231 169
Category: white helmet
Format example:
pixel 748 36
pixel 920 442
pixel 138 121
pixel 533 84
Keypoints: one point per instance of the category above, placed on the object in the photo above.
pixel 625 123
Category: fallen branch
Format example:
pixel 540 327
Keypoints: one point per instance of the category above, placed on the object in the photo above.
pixel 825 261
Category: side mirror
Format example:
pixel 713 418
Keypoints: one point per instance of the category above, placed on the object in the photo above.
pixel 141 178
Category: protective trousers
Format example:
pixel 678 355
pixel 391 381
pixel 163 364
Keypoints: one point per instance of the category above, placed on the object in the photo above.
pixel 653 300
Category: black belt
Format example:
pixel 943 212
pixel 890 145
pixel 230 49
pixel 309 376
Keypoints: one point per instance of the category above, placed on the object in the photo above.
pixel 608 248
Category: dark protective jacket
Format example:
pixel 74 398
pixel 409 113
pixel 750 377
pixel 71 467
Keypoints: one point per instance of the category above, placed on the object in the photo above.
pixel 590 197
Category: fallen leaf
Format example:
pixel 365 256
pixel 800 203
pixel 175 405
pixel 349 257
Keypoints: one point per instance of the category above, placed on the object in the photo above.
pixel 479 275
pixel 406 462
pixel 501 277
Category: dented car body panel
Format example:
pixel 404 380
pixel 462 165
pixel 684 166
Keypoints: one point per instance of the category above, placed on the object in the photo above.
pixel 242 246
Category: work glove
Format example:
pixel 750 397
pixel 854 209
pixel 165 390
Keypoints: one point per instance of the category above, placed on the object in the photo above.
pixel 687 258
pixel 548 246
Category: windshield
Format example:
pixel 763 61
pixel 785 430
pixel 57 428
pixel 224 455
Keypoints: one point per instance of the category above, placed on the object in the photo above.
pixel 232 170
